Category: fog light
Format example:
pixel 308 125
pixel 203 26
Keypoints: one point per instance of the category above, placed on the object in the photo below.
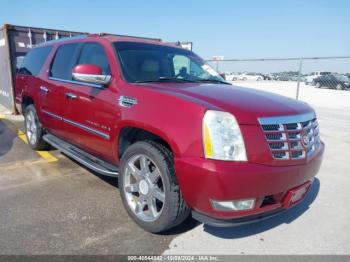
pixel 235 205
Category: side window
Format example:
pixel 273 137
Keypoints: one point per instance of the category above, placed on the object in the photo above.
pixel 192 68
pixel 94 54
pixel 181 62
pixel 196 70
pixel 34 60
pixel 64 61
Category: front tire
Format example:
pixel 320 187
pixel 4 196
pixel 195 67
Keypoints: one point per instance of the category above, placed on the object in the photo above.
pixel 149 189
pixel 33 129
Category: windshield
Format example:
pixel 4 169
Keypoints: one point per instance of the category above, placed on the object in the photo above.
pixel 342 78
pixel 142 62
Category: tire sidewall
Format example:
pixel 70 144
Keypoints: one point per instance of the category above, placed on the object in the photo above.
pixel 165 219
pixel 29 109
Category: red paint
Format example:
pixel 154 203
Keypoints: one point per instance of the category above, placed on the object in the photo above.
pixel 296 195
pixel 174 112
pixel 87 69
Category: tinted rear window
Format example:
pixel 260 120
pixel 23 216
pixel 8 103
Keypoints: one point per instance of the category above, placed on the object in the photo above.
pixel 34 60
pixel 64 61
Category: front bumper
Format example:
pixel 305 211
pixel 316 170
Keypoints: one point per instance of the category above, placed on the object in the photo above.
pixel 202 180
pixel 234 222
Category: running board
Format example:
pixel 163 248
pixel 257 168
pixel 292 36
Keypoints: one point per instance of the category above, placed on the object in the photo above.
pixel 84 158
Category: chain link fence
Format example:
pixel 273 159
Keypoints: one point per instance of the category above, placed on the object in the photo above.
pixel 292 73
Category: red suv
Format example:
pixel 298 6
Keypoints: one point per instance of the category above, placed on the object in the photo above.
pixel 178 137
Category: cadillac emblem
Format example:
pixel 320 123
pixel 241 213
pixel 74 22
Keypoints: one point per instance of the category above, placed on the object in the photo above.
pixel 305 140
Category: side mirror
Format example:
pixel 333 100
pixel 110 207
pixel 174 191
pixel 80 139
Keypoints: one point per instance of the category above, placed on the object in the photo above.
pixel 90 74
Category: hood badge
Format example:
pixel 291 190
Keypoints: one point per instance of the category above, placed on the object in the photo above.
pixel 126 101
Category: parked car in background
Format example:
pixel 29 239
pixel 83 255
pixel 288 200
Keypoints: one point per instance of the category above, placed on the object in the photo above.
pixel 310 78
pixel 250 76
pixel 335 81
pixel 232 76
pixel 267 76
pixel 284 77
pixel 296 78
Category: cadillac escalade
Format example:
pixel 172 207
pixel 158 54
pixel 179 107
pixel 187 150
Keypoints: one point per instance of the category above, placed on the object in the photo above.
pixel 178 137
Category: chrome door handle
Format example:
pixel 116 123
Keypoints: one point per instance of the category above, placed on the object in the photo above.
pixel 44 89
pixel 71 95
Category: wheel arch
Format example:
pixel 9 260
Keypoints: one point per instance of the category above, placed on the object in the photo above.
pixel 130 134
pixel 26 101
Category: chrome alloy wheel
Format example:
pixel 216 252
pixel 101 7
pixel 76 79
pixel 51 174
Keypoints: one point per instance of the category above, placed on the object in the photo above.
pixel 31 127
pixel 144 188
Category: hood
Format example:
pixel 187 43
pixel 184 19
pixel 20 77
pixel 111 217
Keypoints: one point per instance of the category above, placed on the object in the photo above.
pixel 246 104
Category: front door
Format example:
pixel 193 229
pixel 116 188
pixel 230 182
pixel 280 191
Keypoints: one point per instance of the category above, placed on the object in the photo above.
pixel 89 108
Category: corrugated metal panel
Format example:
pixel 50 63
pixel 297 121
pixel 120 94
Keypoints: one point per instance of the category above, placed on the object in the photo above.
pixel 6 87
pixel 15 42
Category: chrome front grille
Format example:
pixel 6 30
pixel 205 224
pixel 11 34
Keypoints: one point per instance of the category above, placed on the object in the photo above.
pixel 291 137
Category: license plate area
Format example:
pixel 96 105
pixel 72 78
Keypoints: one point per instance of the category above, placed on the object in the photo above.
pixel 295 195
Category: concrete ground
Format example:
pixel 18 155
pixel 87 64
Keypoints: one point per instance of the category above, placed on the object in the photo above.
pixel 51 205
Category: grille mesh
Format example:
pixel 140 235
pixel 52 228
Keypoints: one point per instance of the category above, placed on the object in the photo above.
pixel 292 140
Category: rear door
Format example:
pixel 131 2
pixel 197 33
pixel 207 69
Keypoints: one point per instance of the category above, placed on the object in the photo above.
pixel 89 108
pixel 29 82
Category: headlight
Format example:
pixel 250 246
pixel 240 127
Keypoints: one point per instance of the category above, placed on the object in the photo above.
pixel 222 138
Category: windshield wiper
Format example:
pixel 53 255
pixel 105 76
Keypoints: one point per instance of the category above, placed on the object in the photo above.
pixel 212 81
pixel 166 79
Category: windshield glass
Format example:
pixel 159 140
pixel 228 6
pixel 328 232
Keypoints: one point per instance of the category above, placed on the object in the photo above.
pixel 342 78
pixel 142 62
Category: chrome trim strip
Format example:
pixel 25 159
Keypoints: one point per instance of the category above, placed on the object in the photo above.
pixel 76 82
pixel 286 119
pixel 52 114
pixel 86 128
pixel 89 78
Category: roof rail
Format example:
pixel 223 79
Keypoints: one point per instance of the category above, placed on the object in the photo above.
pixel 139 37
pixel 65 39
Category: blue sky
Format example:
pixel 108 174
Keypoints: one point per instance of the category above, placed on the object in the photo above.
pixel 234 29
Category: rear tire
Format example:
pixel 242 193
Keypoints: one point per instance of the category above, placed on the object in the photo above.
pixel 149 189
pixel 318 85
pixel 33 129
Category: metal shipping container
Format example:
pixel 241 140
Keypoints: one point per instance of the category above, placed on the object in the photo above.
pixel 15 42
